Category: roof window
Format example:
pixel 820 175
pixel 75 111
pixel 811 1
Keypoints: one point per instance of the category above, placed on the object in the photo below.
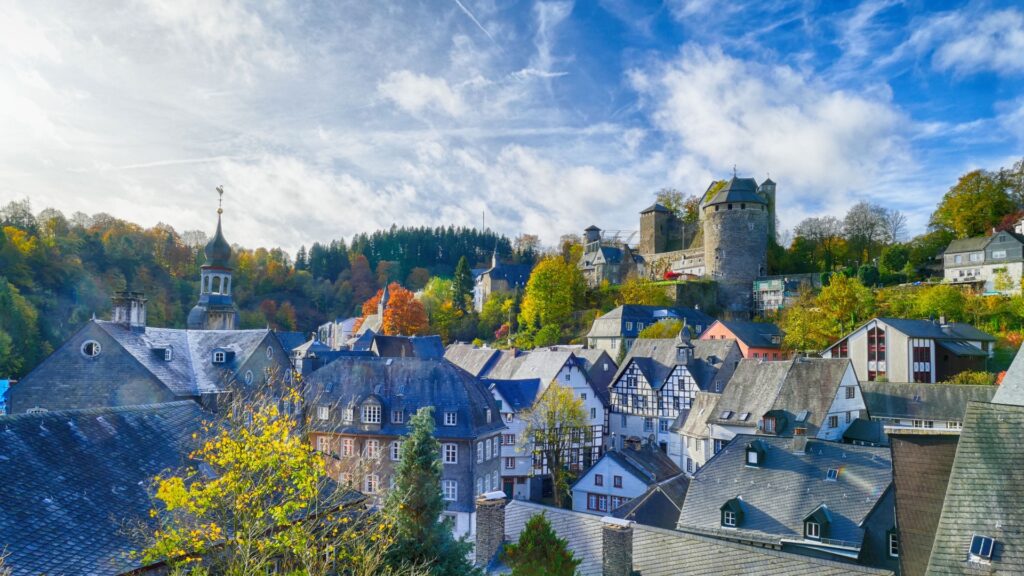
pixel 981 548
pixel 744 416
pixel 91 349
pixel 832 475
pixel 726 414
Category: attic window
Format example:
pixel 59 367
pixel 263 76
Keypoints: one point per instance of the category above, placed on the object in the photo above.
pixel 832 475
pixel 168 354
pixel 981 548
pixel 755 454
pixel 218 357
pixel 802 416
pixel 768 424
pixel 91 349
pixel 270 352
pixel 812 530
pixel 726 414
pixel 744 416
pixel 728 518
pixel 450 418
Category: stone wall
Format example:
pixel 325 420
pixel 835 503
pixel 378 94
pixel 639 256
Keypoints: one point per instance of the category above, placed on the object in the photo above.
pixel 736 252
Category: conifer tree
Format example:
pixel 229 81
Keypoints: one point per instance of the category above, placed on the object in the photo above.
pixel 416 503
pixel 462 284
pixel 540 552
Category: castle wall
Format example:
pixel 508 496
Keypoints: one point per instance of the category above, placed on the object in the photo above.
pixel 736 252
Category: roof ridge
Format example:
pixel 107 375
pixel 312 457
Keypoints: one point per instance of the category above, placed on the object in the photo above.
pixel 100 411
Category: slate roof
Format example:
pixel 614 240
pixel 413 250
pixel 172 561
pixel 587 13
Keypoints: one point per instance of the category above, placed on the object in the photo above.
pixel 1011 390
pixel 653 464
pixel 781 493
pixel 542 363
pixel 920 474
pixel 600 367
pixel 917 401
pixel 408 346
pixel 984 494
pixel 754 334
pixel 975 244
pixel 656 207
pixel 313 346
pixel 658 552
pixel 863 430
pixel 401 383
pixel 694 421
pixel 519 394
pixel 470 358
pixel 737 190
pixel 612 324
pixel 659 506
pixel 70 481
pixel 790 386
pixel 514 274
pixel 290 340
pixel 657 358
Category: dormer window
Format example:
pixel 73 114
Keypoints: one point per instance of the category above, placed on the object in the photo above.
pixel 168 354
pixel 812 530
pixel 732 513
pixel 755 454
pixel 817 523
pixel 450 418
pixel 768 424
pixel 397 416
pixel 981 548
pixel 219 357
pixel 371 414
pixel 323 412
pixel 728 519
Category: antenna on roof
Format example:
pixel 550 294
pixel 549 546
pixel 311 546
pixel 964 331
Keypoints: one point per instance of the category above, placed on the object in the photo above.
pixel 733 170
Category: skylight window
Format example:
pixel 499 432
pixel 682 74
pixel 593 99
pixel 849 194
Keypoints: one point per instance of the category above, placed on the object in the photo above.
pixel 832 475
pixel 744 416
pixel 725 415
pixel 802 416
pixel 981 548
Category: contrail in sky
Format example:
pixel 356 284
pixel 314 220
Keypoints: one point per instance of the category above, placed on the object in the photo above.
pixel 475 21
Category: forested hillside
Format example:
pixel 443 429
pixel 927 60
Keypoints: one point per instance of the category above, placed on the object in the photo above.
pixel 57 271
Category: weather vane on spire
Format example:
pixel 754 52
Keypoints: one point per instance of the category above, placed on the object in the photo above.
pixel 733 170
pixel 220 200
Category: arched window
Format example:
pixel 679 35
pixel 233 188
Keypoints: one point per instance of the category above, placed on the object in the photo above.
pixel 216 284
pixel 91 349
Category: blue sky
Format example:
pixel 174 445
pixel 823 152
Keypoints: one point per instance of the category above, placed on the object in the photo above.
pixel 323 119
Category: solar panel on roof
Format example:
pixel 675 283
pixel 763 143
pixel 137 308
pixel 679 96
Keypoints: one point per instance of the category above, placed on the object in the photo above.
pixel 981 547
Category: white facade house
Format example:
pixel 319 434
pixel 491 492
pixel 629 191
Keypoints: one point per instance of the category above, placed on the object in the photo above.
pixel 619 476
pixel 993 264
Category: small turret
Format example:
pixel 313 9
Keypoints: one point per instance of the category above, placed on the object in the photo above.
pixel 684 347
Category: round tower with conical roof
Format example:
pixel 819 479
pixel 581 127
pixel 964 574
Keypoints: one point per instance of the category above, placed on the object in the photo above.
pixel 736 227
pixel 216 310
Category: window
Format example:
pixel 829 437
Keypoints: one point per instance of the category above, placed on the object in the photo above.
pixel 450 418
pixel 248 376
pixel 168 354
pixel 509 439
pixel 851 392
pixel 876 346
pixel 345 478
pixel 510 463
pixel 629 325
pixel 495 483
pixel 624 421
pixel 833 421
pixel 347 447
pixel 396 450
pixel 744 416
pixel 728 518
pixel 270 352
pixel 768 424
pixel 218 357
pixel 954 424
pixel 832 475
pixel 617 501
pixel 981 548
pixel 689 465
pixel 397 416
pixel 497 445
pixel 451 453
pixel 648 424
pixel 918 423
pixel 617 481
pixel 958 259
pixel 323 412
pixel 598 479
pixel 488 415
pixel 372 448
pixel 479 452
pixel 663 425
pixel 487 449
pixel 451 489
pixel 975 257
pixel 371 414
pixel 583 396
pixel 567 376
pixel 508 417
pixel 597 502
pixel 849 416
pixel 323 444
pixel 998 254
pixel 370 483
pixel 894 545
pixel 479 485
pixel 593 413
pixel 91 349
pixel 812 530
pixel 725 415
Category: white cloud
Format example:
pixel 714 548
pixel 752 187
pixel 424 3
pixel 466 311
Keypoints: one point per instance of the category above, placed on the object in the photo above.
pixel 416 93
pixel 965 42
pixel 822 144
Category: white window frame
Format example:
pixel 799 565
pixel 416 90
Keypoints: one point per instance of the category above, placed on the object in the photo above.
pixel 728 518
pixel 479 452
pixel 323 444
pixel 323 412
pixel 372 448
pixel 451 418
pixel 168 354
pixel 894 545
pixel 348 447
pixel 510 463
pixel 812 530
pixel 450 453
pixel 397 416
pixel 396 450
pixel 371 414
pixel 219 357
pixel 450 490
pixel 371 483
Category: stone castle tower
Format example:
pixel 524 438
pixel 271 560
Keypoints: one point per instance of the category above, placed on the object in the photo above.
pixel 737 221
pixel 215 310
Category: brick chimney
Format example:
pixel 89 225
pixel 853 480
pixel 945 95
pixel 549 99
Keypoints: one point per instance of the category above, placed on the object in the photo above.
pixel 130 309
pixel 616 547
pixel 490 525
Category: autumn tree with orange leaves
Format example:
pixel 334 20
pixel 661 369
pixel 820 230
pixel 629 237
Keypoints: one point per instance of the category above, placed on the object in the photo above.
pixel 404 315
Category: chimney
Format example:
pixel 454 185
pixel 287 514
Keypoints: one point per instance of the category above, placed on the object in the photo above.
pixel 490 526
pixel 942 320
pixel 130 309
pixel 616 547
pixel 800 440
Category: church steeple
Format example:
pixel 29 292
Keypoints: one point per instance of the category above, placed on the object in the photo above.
pixel 215 310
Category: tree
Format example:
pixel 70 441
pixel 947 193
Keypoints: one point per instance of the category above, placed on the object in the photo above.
pixel 894 258
pixel 644 292
pixel 803 326
pixel 554 289
pixel 404 315
pixel 974 205
pixel 418 278
pixel 843 305
pixel 462 284
pixel 825 235
pixel 540 552
pixel 415 505
pixel 668 328
pixel 894 225
pixel 868 275
pixel 300 258
pixel 684 206
pixel 552 425
pixel 942 300
pixel 865 228
pixel 252 505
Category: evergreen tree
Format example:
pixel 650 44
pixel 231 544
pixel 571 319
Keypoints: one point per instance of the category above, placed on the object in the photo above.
pixel 540 552
pixel 415 504
pixel 462 284
pixel 300 258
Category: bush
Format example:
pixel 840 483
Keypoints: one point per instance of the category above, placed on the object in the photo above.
pixel 547 336
pixel 973 378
